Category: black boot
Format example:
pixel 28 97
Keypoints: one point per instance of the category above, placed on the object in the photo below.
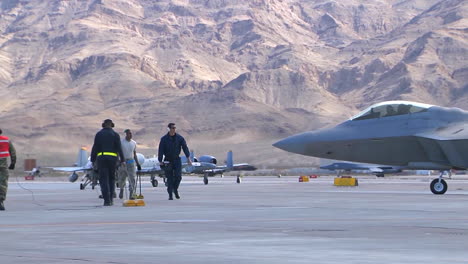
pixel 176 193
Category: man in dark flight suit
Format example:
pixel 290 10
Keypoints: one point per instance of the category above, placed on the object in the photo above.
pixel 170 147
pixel 106 151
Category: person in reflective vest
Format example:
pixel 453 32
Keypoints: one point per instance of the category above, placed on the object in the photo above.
pixel 6 150
pixel 106 151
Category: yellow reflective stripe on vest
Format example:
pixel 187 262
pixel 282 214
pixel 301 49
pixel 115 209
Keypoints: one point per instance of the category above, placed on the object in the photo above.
pixel 107 154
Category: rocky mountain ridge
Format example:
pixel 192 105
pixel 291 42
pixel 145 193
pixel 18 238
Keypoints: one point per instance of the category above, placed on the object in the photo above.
pixel 232 74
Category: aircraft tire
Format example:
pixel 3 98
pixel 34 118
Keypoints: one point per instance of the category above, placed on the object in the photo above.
pixel 154 183
pixel 81 186
pixel 205 181
pixel 438 188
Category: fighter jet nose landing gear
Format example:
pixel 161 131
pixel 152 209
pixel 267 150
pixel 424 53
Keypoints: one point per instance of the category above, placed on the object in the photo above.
pixel 439 186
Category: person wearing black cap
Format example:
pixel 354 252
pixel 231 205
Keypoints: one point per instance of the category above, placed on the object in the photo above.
pixel 6 150
pixel 106 151
pixel 169 148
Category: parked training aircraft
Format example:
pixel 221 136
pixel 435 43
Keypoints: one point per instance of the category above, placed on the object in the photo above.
pixel 209 167
pixel 398 133
pixel 205 165
pixel 35 172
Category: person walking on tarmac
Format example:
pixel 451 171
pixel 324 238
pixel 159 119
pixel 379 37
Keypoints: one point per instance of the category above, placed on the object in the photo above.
pixel 106 151
pixel 6 150
pixel 170 147
pixel 129 152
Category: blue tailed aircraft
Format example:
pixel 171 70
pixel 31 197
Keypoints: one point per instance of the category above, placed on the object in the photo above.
pixel 378 170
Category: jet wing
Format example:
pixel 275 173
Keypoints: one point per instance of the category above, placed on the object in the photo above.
pixel 243 166
pixel 454 132
pixel 69 169
pixel 216 171
pixel 375 169
pixel 445 145
pixel 150 170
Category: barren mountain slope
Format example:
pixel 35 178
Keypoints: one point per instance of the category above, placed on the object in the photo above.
pixel 232 74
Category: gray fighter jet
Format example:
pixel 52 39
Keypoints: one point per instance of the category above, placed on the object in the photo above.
pixel 399 133
pixel 83 164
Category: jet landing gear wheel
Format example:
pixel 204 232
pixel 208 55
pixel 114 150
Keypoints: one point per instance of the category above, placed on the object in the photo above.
pixel 438 187
pixel 205 180
pixel 82 186
pixel 154 182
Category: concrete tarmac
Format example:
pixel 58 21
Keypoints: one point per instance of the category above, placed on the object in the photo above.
pixel 261 220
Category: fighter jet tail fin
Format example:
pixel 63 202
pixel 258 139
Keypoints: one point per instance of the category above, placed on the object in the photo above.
pixel 82 157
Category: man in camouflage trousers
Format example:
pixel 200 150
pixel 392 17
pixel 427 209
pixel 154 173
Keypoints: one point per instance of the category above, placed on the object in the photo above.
pixel 6 150
pixel 131 164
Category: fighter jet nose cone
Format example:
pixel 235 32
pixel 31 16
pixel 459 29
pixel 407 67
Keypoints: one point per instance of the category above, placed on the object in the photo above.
pixel 278 144
pixel 290 144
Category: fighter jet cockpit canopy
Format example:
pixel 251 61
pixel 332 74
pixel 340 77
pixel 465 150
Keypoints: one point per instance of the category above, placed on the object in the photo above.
pixel 391 108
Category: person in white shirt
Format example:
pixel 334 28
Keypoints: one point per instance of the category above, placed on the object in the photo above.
pixel 131 164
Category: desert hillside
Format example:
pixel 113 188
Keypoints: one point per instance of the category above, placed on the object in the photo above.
pixel 232 74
